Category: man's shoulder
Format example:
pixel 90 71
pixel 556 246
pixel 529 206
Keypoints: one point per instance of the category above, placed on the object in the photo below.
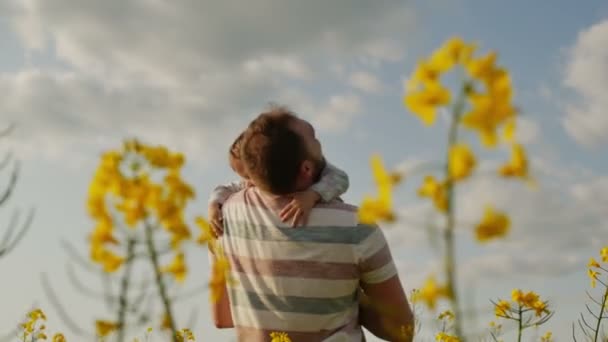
pixel 334 213
pixel 337 205
pixel 235 198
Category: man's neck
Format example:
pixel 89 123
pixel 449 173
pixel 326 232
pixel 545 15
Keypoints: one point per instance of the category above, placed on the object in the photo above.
pixel 274 200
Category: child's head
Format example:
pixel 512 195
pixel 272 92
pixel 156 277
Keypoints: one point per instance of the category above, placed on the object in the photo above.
pixel 235 158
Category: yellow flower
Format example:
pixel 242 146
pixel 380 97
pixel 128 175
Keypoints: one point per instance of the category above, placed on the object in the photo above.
pixel 383 177
pixel 426 73
pixel 430 293
pixel 529 299
pixel 179 191
pixel 279 337
pixel 425 102
pixel 539 307
pixel 185 335
pixel 103 233
pixel 547 337
pixel 111 262
pixel 501 308
pixel 158 156
pixel 28 327
pixel 453 51
pixel 41 336
pixel 517 165
pixel 493 108
pixel 206 232
pixel 219 272
pixel 493 225
pixel 166 323
pixel 593 263
pixel 176 161
pixel 447 314
pixel 483 67
pixel 517 296
pixel 432 189
pixel 380 208
pixel 509 131
pixel 461 162
pixel 179 233
pixel 604 254
pixel 59 338
pixel 177 267
pixel 443 337
pixel 37 314
pixel 375 209
pixel 593 277
pixel 104 328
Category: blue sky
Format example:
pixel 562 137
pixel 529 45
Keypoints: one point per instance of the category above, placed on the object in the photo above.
pixel 79 77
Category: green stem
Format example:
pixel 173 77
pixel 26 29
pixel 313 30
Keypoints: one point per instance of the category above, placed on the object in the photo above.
pixel 520 328
pixel 124 290
pixel 599 319
pixel 162 290
pixel 450 254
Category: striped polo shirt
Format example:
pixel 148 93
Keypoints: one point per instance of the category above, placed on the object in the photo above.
pixel 303 281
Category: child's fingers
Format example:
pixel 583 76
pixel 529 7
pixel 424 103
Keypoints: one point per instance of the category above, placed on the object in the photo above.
pixel 217 228
pixel 289 213
pixel 296 218
pixel 304 219
pixel 286 209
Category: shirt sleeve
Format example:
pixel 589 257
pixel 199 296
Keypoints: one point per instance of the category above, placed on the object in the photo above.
pixel 333 183
pixel 375 260
pixel 221 193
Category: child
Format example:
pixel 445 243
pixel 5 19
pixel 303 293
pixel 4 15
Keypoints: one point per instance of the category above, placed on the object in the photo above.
pixel 333 183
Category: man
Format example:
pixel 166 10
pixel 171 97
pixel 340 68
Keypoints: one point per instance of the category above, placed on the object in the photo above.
pixel 307 281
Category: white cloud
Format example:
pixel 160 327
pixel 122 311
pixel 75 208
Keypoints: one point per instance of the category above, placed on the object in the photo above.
pixel 63 114
pixel 189 75
pixel 365 81
pixel 162 41
pixel 587 75
pixel 554 228
pixel 338 113
pixel 528 131
pixel 290 67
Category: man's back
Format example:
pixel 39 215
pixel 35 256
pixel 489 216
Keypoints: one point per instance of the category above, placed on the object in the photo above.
pixel 302 281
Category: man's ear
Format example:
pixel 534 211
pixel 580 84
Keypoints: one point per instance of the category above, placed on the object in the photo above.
pixel 307 169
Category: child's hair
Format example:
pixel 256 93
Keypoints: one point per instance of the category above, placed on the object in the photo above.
pixel 234 156
pixel 235 148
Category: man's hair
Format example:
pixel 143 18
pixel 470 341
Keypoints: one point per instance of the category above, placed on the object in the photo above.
pixel 272 152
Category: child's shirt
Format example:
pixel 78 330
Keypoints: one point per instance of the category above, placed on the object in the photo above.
pixel 333 183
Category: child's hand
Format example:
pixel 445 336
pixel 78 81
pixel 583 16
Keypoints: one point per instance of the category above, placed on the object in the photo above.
pixel 216 220
pixel 299 208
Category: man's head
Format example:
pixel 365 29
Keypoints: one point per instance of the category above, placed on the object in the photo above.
pixel 281 153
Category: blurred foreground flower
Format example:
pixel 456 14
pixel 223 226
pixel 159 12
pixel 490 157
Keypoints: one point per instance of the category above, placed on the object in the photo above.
pixel 380 208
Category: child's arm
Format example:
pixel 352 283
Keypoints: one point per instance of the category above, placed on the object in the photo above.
pixel 333 183
pixel 221 193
